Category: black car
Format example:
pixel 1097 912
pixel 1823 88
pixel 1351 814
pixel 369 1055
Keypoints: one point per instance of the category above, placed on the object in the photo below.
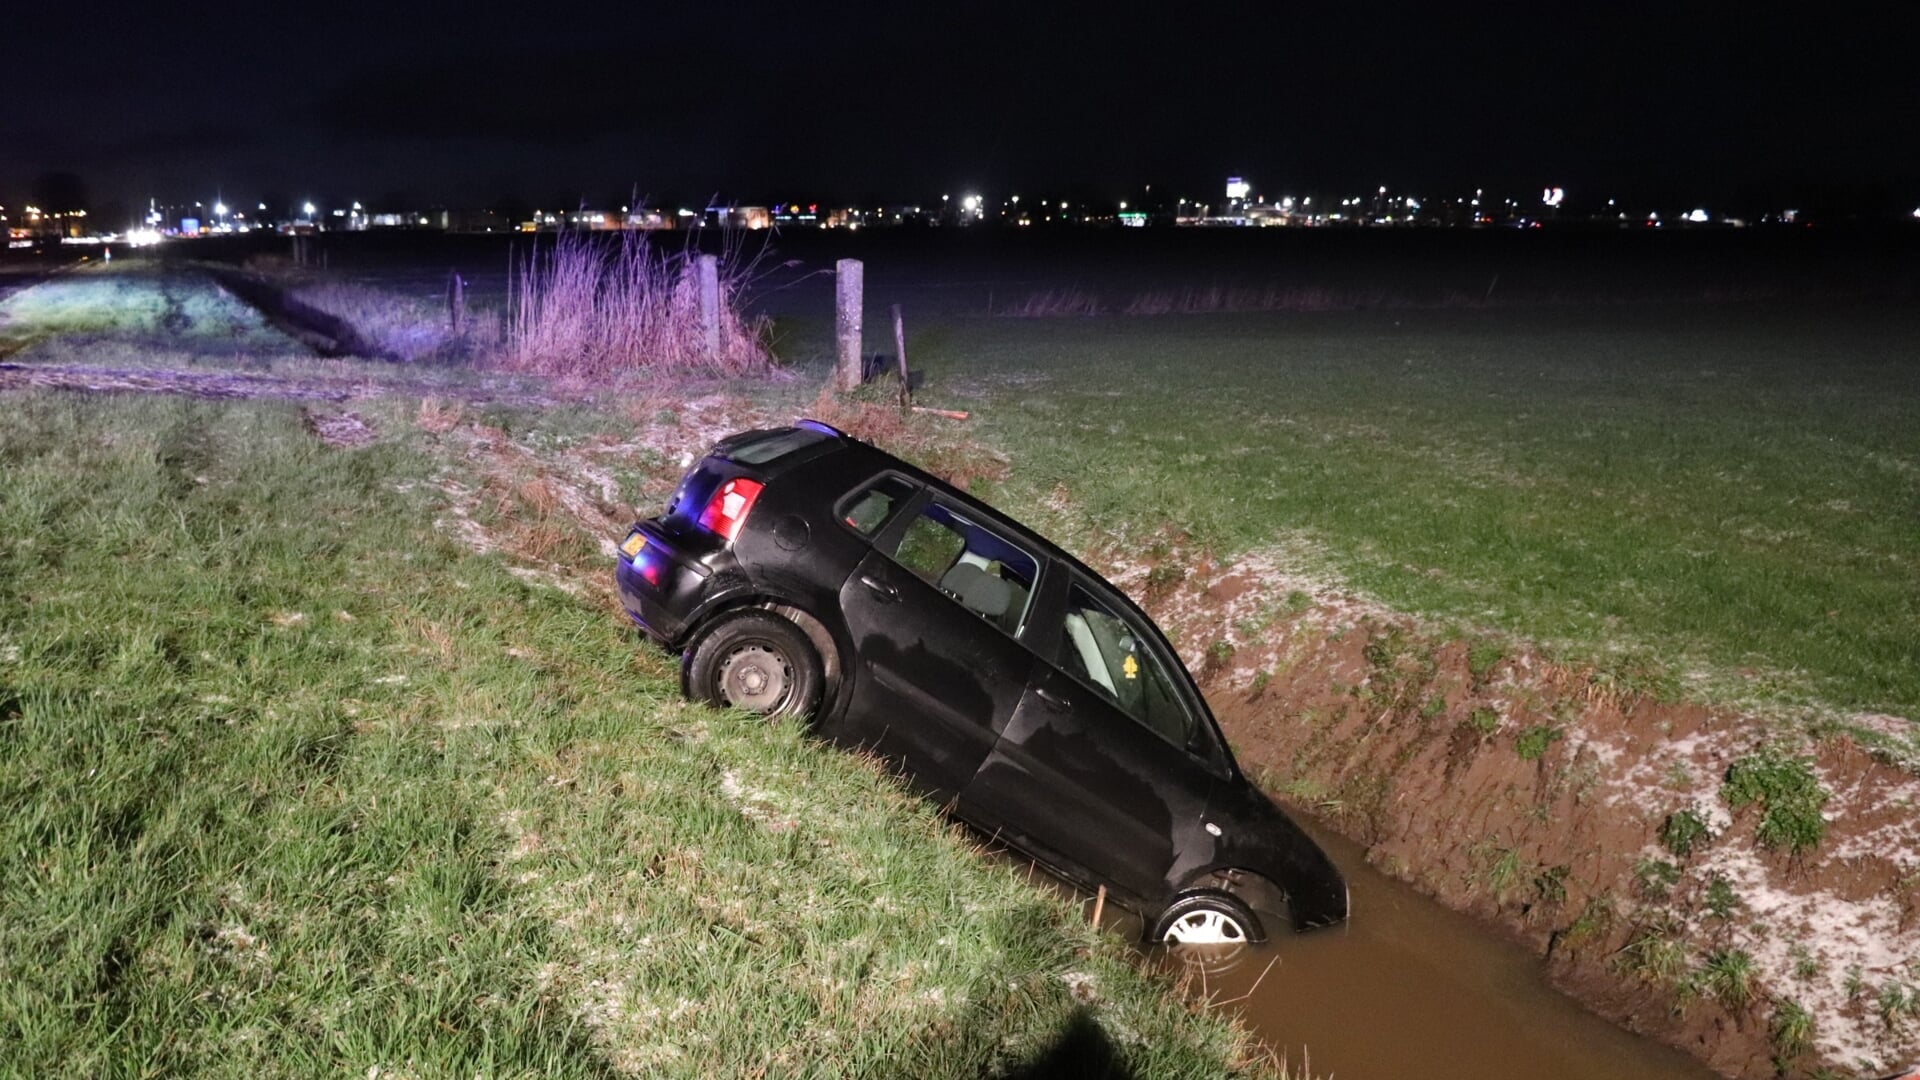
pixel 801 572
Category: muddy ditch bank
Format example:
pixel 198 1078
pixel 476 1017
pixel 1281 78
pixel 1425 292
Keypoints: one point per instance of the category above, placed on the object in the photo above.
pixel 1537 798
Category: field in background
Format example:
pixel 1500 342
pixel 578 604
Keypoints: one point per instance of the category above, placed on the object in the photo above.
pixel 295 785
pixel 1724 496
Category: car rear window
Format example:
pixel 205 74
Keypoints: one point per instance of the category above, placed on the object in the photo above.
pixel 761 447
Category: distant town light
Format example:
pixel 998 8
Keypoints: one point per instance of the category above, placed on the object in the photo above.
pixel 308 208
pixel 971 202
pixel 1698 216
pixel 1237 188
pixel 1916 211
pixel 1554 196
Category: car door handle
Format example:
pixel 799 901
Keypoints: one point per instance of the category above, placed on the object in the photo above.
pixel 1052 700
pixel 885 591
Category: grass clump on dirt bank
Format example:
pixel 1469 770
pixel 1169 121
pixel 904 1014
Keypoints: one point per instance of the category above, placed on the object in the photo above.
pixel 292 786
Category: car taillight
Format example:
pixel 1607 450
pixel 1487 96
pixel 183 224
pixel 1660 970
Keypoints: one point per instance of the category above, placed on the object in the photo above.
pixel 728 508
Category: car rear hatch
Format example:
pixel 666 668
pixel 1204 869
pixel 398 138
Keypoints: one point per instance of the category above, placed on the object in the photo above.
pixel 715 497
pixel 669 563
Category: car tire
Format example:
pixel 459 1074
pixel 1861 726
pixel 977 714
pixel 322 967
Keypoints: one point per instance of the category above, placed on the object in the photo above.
pixel 1211 918
pixel 757 662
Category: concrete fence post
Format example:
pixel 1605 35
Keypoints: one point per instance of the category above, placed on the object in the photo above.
pixel 710 305
pixel 848 300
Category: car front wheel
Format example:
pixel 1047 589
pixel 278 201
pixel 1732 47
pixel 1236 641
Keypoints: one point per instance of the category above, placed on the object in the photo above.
pixel 757 662
pixel 1206 919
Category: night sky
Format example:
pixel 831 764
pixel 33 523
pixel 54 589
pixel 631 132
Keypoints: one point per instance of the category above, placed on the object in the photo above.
pixel 467 104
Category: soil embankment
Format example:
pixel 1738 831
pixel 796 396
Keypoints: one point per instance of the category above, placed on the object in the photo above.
pixel 1534 796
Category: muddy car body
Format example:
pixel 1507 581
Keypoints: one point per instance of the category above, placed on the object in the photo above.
pixel 801 572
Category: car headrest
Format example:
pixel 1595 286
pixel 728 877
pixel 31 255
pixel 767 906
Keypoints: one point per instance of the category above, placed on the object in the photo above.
pixel 978 590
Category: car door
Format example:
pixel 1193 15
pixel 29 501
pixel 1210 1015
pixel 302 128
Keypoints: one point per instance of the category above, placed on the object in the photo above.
pixel 934 611
pixel 1095 770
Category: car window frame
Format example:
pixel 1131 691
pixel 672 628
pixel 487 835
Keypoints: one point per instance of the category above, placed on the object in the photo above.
pixel 886 542
pixel 845 503
pixel 1205 743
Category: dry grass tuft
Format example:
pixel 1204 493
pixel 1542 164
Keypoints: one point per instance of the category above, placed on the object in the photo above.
pixel 1055 303
pixel 938 445
pixel 586 308
pixel 439 417
pixel 1219 298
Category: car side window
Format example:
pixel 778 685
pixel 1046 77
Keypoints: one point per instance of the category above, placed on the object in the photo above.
pixel 974 565
pixel 867 511
pixel 1108 653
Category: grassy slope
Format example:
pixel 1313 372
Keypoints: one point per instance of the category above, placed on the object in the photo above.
pixel 290 785
pixel 1667 490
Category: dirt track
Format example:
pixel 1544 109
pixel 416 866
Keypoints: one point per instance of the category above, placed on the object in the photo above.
pixel 234 384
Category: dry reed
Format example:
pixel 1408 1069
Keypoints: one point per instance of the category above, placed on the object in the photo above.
pixel 586 308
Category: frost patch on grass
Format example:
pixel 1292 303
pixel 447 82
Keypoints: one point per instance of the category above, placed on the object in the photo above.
pixel 1844 940
pixel 756 805
pixel 1084 987
pixel 545 579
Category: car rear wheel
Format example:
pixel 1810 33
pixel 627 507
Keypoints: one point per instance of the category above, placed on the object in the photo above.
pixel 757 662
pixel 1206 919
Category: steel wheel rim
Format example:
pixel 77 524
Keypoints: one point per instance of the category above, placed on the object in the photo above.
pixel 1205 927
pixel 755 678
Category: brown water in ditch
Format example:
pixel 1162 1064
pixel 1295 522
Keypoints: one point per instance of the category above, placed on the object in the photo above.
pixel 1410 989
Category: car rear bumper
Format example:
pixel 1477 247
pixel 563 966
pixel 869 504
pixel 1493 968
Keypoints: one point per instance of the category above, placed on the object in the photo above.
pixel 660 586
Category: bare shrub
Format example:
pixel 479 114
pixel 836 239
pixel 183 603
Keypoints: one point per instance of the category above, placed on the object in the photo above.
pixel 590 309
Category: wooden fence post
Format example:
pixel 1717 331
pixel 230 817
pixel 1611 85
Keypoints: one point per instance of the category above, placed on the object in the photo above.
pixel 900 350
pixel 848 300
pixel 710 305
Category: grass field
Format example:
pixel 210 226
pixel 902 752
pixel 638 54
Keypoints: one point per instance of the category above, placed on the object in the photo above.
pixel 1719 500
pixel 294 786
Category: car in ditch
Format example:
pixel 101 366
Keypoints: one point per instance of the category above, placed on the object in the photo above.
pixel 800 572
